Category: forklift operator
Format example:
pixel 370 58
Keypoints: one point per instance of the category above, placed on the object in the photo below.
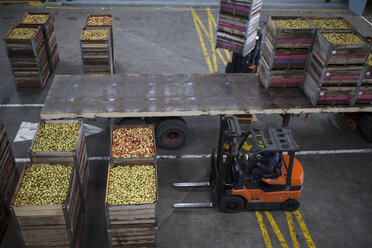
pixel 266 165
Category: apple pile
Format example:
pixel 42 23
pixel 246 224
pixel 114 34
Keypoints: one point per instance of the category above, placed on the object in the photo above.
pixel 44 185
pixel 133 142
pixel 22 33
pixel 99 21
pixel 35 19
pixel 57 137
pixel 369 61
pixel 331 23
pixel 95 34
pixel 133 184
pixel 343 38
pixel 292 23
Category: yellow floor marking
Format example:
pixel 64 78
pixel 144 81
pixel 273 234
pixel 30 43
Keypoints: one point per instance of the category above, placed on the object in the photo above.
pixel 254 118
pixel 263 229
pixel 276 229
pixel 35 3
pixel 210 26
pixel 205 52
pixel 304 229
pixel 292 230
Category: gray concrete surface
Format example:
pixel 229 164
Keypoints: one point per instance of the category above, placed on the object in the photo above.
pixel 336 203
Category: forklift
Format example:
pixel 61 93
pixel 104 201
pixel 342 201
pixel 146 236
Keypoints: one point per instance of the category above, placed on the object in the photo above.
pixel 231 184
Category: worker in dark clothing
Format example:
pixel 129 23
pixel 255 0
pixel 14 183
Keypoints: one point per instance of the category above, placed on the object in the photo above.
pixel 266 165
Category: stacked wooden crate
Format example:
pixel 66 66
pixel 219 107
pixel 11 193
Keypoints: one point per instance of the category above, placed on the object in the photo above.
pixel 8 179
pixel 132 192
pixel 47 205
pixel 238 21
pixel 335 68
pixel 96 44
pixel 27 56
pixel 364 93
pixel 285 52
pixel 45 21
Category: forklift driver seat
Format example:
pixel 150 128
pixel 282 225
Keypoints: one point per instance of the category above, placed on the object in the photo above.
pixel 277 170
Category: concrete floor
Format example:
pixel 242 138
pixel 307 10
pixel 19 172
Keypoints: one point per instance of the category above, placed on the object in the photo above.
pixel 336 204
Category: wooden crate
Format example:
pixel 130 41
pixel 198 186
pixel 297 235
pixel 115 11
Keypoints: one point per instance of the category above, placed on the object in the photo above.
pixel 342 54
pixel 134 224
pixel 28 60
pixel 78 156
pixel 237 25
pixel 330 18
pixel 51 225
pixel 288 38
pixel 49 37
pixel 137 159
pixel 284 58
pixel 367 71
pixel 8 172
pixel 111 32
pixel 335 75
pixel 327 95
pixel 279 77
pixel 96 55
pixel 363 95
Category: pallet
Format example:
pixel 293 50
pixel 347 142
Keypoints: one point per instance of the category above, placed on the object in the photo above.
pixel 131 225
pixel 342 54
pixel 111 32
pixel 335 75
pixel 49 37
pixel 51 225
pixel 78 156
pixel 288 38
pixel 237 25
pixel 281 78
pixel 328 19
pixel 97 55
pixel 8 172
pixel 136 159
pixel 28 60
pixel 327 95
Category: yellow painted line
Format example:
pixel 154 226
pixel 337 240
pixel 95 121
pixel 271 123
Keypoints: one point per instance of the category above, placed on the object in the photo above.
pixel 254 118
pixel 292 230
pixel 263 230
pixel 304 229
pixel 304 10
pixel 276 229
pixel 210 26
pixel 205 52
pixel 36 4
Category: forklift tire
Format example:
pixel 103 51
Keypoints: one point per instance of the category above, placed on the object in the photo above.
pixel 171 134
pixel 290 205
pixel 231 204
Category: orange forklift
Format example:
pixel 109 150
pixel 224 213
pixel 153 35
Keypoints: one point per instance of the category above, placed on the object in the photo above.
pixel 232 186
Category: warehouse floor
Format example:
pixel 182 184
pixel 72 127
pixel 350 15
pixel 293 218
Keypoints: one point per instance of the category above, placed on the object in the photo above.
pixel 336 204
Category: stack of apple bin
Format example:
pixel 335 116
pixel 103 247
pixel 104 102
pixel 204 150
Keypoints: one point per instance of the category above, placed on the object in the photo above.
pixel 131 191
pixel 364 93
pixel 45 21
pixel 41 222
pixel 285 51
pixel 237 25
pixel 8 179
pixel 96 43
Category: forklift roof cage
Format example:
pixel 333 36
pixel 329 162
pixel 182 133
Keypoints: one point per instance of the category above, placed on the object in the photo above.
pixel 274 140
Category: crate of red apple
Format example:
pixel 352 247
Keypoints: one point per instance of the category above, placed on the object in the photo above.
pixel 133 143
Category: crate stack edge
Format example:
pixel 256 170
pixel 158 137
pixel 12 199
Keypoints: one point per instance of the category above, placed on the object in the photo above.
pixel 8 179
pixel 335 71
pixel 285 53
pixel 28 60
pixel 364 93
pixel 57 225
pixel 49 37
pixel 130 225
pixel 237 25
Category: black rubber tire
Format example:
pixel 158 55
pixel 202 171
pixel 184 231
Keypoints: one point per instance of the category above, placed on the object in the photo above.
pixel 171 134
pixel 290 205
pixel 132 121
pixel 231 204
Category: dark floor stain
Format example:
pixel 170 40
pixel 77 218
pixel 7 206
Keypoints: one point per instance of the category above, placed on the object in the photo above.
pixel 6 4
pixel 72 18
pixel 116 18
pixel 7 17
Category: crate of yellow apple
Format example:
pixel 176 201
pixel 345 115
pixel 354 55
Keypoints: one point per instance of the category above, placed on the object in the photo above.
pixel 131 198
pixel 132 143
pixel 48 197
